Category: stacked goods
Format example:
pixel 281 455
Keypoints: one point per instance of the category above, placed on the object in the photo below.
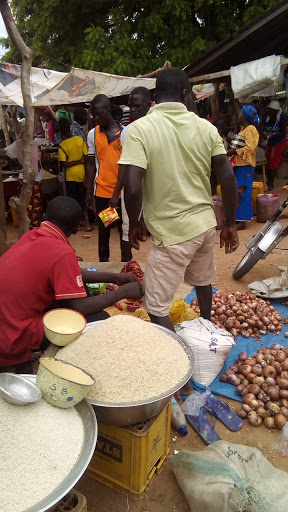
pixel 130 360
pixel 39 446
pixel 243 313
pixel 262 381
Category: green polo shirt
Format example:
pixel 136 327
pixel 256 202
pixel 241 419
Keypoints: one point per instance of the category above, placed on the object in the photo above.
pixel 174 147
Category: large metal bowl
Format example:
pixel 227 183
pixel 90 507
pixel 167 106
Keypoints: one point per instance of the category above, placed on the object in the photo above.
pixel 130 413
pixel 90 429
pixel 17 390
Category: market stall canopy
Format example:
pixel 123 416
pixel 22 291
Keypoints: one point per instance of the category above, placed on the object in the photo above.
pixel 54 88
pixel 81 85
pixel 42 80
pixel 265 35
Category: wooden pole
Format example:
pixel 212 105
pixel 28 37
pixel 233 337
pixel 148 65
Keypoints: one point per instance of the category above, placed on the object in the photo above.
pixel 5 127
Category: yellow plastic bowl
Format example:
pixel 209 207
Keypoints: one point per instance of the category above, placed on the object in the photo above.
pixel 62 384
pixel 62 326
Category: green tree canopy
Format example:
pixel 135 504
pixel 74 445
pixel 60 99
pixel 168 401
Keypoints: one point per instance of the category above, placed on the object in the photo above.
pixel 134 37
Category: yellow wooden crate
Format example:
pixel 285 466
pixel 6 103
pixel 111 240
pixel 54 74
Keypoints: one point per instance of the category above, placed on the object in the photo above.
pixel 126 458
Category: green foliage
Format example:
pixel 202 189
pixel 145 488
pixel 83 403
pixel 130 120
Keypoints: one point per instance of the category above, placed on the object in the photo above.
pixel 135 37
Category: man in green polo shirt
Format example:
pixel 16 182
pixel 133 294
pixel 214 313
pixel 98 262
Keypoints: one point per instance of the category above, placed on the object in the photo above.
pixel 168 157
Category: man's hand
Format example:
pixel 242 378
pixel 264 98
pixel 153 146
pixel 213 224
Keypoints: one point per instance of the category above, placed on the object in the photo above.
pixel 114 202
pixel 121 279
pixel 229 238
pixel 136 234
pixel 132 291
pixel 90 200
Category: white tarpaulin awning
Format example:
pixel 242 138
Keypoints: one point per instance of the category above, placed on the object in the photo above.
pixel 54 88
pixel 42 80
pixel 82 85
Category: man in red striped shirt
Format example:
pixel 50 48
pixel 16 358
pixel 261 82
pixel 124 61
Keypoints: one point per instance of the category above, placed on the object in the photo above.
pixel 42 270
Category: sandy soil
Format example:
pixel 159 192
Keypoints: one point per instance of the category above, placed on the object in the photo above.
pixel 164 494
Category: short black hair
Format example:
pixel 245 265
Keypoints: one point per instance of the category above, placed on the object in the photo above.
pixel 64 212
pixel 142 91
pixel 100 99
pixel 64 125
pixel 80 115
pixel 171 82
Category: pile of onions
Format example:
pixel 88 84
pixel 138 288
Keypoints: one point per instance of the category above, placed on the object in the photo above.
pixel 243 313
pixel 262 381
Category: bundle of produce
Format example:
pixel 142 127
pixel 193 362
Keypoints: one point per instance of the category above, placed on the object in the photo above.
pixel 262 381
pixel 243 313
pixel 132 267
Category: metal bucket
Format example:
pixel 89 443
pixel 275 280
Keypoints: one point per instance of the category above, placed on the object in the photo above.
pixel 130 413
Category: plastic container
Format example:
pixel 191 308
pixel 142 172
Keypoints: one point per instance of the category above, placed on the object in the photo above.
pixel 257 188
pixel 74 501
pixel 267 204
pixel 219 211
pixel 126 458
pixel 178 419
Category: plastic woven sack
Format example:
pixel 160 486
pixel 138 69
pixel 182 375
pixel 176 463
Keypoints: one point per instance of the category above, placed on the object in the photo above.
pixel 181 312
pixel 210 347
pixel 228 477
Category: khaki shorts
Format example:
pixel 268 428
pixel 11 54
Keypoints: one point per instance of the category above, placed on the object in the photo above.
pixel 191 261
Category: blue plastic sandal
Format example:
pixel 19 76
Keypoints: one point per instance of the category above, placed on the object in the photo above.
pixel 224 413
pixel 202 425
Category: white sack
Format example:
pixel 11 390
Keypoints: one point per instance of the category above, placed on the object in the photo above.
pixel 227 477
pixel 210 346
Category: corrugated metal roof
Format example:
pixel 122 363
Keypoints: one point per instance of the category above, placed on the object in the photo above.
pixel 266 35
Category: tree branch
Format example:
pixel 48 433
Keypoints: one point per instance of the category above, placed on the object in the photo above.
pixel 27 55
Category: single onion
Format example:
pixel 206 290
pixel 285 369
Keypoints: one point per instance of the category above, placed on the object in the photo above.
pixel 269 371
pixel 273 409
pixel 277 366
pixel 254 419
pixel 233 379
pixel 250 361
pixel 279 420
pixel 284 393
pixel 251 377
pixel 284 411
pixel 269 422
pixel 267 405
pixel 273 393
pixel 284 365
pixel 270 381
pixel 280 357
pixel 259 380
pixel 282 383
pixel 284 375
pixel 245 369
pixel 246 408
pixel 254 404
pixel 247 398
pixel 259 358
pixel 257 369
pixel 245 382
pixel 242 356
pixel 242 414
pixel 241 390
pixel 254 388
pixel 262 412
pixel 223 378
pixel 276 346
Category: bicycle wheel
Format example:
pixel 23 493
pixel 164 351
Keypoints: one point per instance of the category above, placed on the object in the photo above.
pixel 250 259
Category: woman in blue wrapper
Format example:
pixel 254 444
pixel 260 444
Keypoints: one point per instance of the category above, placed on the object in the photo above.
pixel 245 163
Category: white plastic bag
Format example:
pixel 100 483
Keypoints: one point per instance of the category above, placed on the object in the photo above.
pixel 228 477
pixel 210 347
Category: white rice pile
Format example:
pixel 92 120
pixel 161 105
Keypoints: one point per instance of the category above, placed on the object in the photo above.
pixel 39 445
pixel 130 359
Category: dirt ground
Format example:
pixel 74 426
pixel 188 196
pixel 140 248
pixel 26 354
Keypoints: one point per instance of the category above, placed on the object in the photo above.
pixel 164 494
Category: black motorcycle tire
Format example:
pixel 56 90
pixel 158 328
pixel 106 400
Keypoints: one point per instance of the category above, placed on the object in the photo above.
pixel 248 261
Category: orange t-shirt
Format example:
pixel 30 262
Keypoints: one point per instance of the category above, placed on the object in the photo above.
pixel 108 155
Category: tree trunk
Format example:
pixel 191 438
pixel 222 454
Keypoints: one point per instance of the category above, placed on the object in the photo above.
pixel 4 127
pixel 3 243
pixel 27 54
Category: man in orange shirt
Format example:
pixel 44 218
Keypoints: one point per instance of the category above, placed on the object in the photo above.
pixel 104 151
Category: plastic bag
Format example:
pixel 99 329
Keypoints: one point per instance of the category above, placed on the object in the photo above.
pixel 210 347
pixel 108 216
pixel 282 444
pixel 180 311
pixel 194 402
pixel 228 477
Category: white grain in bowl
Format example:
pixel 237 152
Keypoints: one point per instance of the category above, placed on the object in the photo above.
pixel 130 359
pixel 39 445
